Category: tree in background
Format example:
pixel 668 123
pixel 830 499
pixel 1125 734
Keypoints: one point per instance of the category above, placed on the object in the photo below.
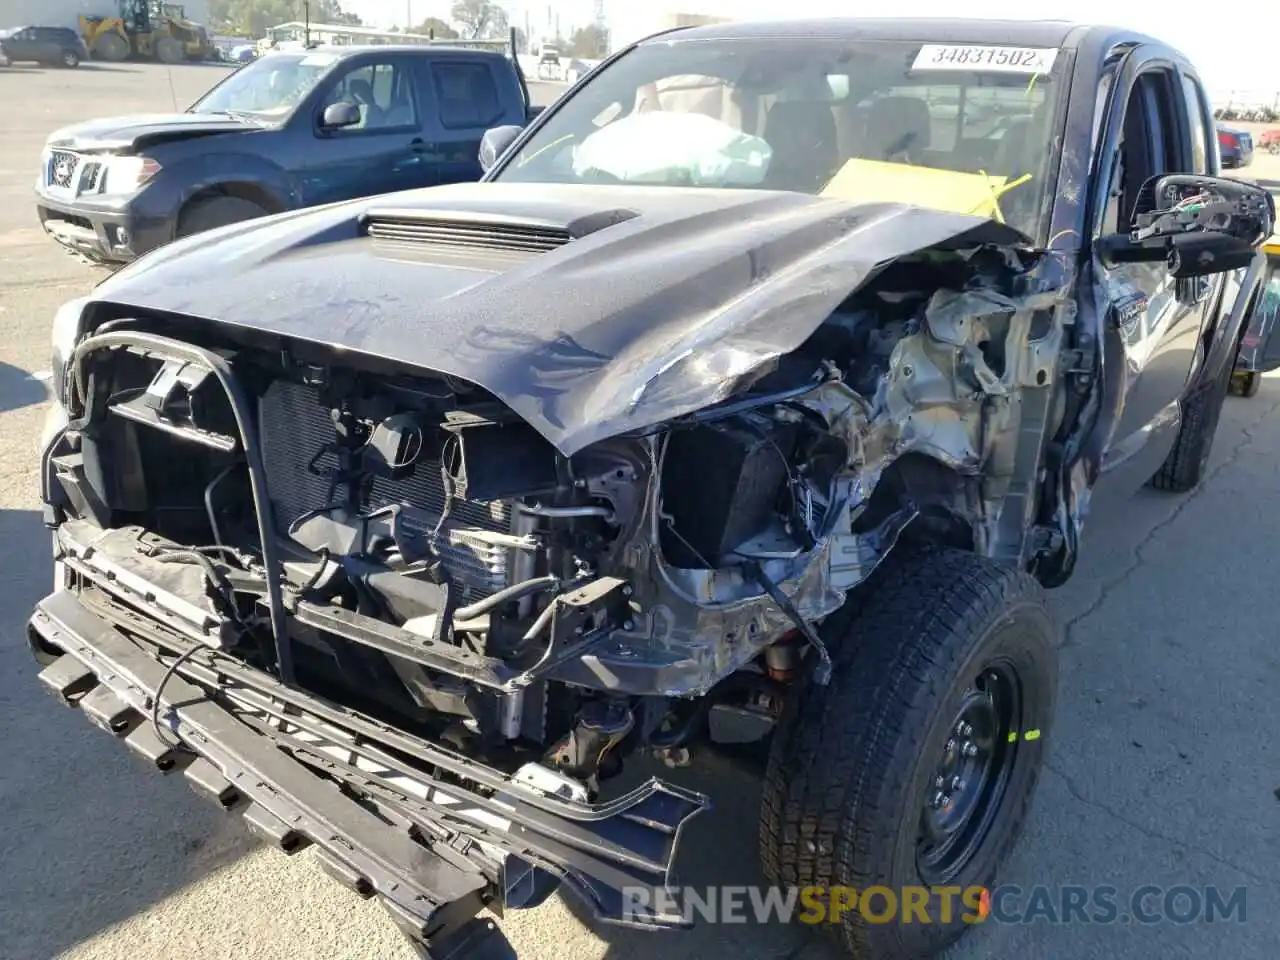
pixel 589 43
pixel 480 19
pixel 435 27
pixel 253 17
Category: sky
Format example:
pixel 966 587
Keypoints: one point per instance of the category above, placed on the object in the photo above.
pixel 572 13
pixel 1234 52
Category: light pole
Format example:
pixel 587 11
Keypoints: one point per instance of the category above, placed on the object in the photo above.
pixel 408 16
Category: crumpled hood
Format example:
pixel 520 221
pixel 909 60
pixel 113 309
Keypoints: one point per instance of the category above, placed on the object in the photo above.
pixel 663 302
pixel 135 131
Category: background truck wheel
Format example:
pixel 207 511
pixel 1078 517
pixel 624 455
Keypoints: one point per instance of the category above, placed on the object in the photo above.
pixel 1189 458
pixel 214 212
pixel 111 47
pixel 1246 384
pixel 169 50
pixel 916 766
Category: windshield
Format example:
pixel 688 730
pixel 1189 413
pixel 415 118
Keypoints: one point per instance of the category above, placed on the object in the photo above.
pixel 959 128
pixel 269 88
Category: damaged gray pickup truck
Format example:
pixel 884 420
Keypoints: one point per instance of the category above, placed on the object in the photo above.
pixel 754 396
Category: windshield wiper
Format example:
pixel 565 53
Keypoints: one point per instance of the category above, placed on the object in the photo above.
pixel 234 114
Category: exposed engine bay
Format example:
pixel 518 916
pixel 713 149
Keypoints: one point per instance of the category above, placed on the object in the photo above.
pixel 445 567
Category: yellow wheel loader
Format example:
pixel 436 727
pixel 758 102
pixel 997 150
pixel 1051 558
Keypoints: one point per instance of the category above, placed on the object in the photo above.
pixel 146 30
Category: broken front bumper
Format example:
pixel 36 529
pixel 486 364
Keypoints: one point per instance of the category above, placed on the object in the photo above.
pixel 431 834
pixel 108 231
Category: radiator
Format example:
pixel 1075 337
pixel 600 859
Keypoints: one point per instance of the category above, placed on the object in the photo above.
pixel 294 426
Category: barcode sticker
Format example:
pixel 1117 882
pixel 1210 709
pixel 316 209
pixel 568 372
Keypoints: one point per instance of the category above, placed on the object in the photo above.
pixel 945 56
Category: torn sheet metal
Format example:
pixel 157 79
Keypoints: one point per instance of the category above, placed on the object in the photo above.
pixel 665 300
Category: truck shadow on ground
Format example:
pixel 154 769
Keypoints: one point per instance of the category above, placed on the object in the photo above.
pixel 91 837
pixel 18 389
pixel 718 854
pixel 106 68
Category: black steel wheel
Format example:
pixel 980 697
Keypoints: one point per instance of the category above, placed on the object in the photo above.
pixel 916 766
pixel 972 774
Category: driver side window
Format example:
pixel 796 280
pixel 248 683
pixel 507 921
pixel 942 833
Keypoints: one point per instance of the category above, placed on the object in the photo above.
pixel 1146 149
pixel 381 91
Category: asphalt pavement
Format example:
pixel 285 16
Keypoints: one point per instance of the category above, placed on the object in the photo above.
pixel 1164 762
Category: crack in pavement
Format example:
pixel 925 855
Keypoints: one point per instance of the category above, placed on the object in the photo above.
pixel 1137 555
pixel 798 950
pixel 42 283
pixel 1147 831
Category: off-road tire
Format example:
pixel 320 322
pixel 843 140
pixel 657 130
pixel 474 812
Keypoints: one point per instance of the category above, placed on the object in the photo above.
pixel 212 212
pixel 170 51
pixel 851 764
pixel 1188 461
pixel 111 47
pixel 1246 384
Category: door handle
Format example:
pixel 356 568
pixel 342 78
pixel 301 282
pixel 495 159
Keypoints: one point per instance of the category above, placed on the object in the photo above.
pixel 418 145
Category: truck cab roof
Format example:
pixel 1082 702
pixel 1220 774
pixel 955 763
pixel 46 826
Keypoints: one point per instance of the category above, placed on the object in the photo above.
pixel 1063 34
pixel 344 51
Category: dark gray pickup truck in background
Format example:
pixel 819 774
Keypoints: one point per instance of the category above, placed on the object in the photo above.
pixel 290 130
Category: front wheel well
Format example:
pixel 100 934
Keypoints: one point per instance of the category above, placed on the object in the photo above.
pixel 250 192
pixel 943 499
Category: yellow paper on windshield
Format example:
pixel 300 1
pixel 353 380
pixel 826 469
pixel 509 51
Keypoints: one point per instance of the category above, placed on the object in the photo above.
pixel 950 190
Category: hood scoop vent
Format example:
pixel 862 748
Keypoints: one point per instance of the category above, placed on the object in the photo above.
pixel 470 233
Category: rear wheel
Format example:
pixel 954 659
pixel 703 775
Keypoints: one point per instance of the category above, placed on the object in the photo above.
pixel 111 47
pixel 1246 384
pixel 212 212
pixel 916 766
pixel 169 50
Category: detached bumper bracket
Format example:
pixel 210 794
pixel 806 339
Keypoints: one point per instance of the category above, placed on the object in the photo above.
pixel 257 747
pixel 237 765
